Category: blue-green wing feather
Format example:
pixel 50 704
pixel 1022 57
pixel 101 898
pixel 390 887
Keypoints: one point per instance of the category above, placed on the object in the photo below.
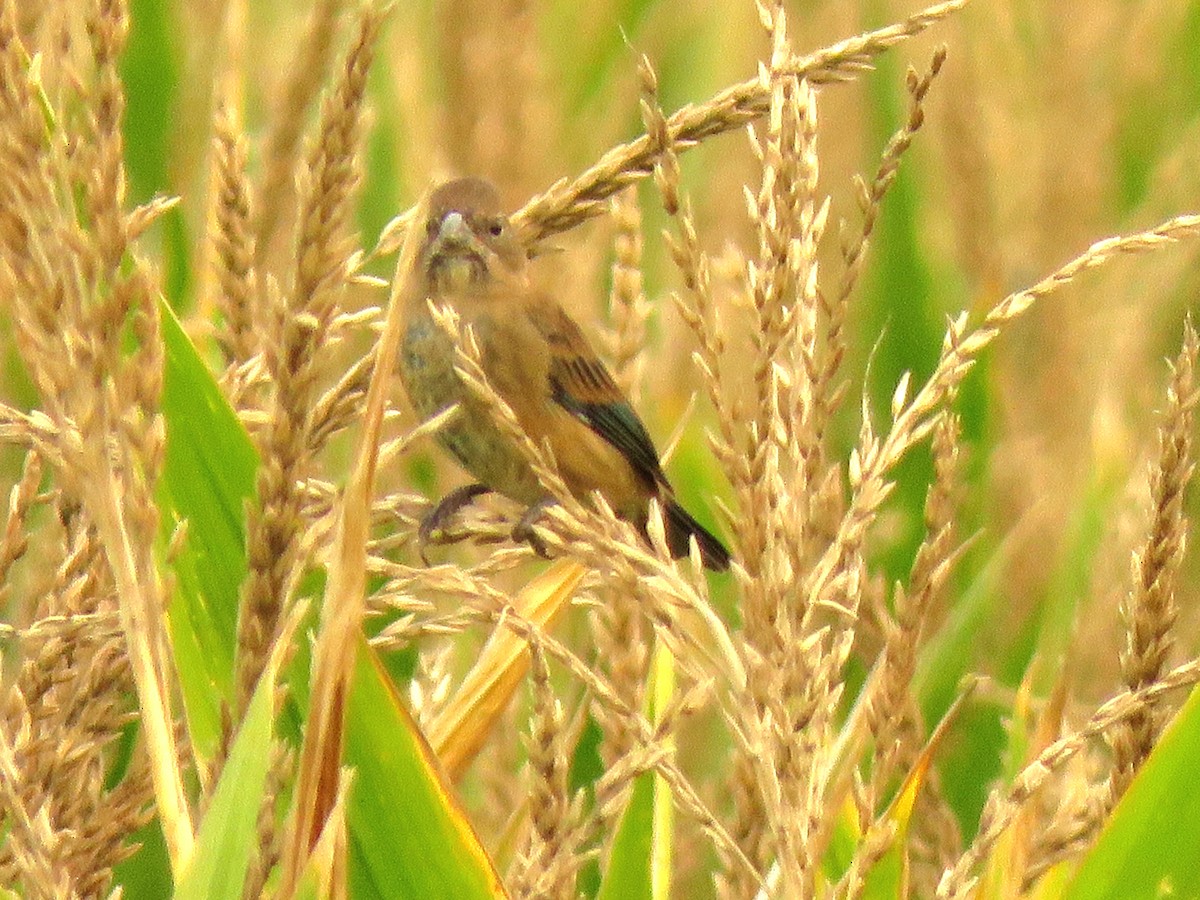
pixel 581 384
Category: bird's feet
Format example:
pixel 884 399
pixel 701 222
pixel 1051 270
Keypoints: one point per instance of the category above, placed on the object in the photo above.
pixel 523 532
pixel 441 514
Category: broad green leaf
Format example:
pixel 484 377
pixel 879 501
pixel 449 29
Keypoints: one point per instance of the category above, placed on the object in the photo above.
pixel 217 869
pixel 408 836
pixel 208 476
pixel 843 842
pixel 1150 846
pixel 885 880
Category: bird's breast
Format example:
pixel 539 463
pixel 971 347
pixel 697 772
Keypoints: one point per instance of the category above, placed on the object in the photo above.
pixel 427 369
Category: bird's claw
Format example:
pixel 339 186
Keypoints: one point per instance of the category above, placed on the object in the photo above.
pixel 524 533
pixel 440 515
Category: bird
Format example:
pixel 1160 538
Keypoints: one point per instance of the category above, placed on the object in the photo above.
pixel 538 360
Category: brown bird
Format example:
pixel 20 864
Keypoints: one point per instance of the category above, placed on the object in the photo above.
pixel 538 360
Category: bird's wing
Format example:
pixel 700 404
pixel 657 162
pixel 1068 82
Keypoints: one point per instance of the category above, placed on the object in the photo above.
pixel 582 385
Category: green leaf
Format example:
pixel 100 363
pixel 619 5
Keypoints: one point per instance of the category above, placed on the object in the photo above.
pixel 885 880
pixel 151 75
pixel 639 864
pixel 408 836
pixel 150 71
pixel 146 875
pixel 217 869
pixel 1150 846
pixel 208 475
pixel 628 873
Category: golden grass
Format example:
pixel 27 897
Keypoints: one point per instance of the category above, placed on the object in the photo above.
pixel 800 696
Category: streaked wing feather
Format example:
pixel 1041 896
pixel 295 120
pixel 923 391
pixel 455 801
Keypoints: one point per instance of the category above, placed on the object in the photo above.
pixel 581 384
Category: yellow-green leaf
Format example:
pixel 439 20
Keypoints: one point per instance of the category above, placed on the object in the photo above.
pixel 217 869
pixel 409 838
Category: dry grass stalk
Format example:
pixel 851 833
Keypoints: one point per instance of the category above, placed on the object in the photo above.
pixel 854 247
pixel 628 306
pixel 76 306
pixel 645 752
pixel 339 406
pixel 893 717
pixel 697 307
pixel 104 172
pixel 889 708
pixel 789 680
pixel 547 867
pixel 935 837
pixel 649 752
pixel 63 713
pixel 460 731
pixel 1065 832
pixel 281 154
pixel 341 614
pixel 14 541
pixel 697 304
pixel 912 420
pixel 299 330
pixel 568 203
pixel 622 652
pixel 233 241
pixel 32 844
pixel 1150 609
pixel 618 625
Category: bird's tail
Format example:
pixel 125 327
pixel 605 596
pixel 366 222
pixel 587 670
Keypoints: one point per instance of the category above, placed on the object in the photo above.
pixel 681 527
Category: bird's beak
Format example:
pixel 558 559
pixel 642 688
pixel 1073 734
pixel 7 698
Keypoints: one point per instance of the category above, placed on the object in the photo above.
pixel 455 234
pixel 456 258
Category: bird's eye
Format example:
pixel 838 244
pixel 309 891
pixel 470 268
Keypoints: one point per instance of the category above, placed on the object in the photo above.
pixel 496 228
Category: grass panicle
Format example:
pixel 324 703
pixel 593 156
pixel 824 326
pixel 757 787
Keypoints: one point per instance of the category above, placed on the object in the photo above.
pixel 1151 608
pixel 300 328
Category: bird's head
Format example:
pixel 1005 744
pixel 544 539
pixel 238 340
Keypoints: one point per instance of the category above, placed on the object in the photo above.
pixel 468 238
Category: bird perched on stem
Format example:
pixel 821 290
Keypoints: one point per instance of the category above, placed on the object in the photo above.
pixel 538 360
